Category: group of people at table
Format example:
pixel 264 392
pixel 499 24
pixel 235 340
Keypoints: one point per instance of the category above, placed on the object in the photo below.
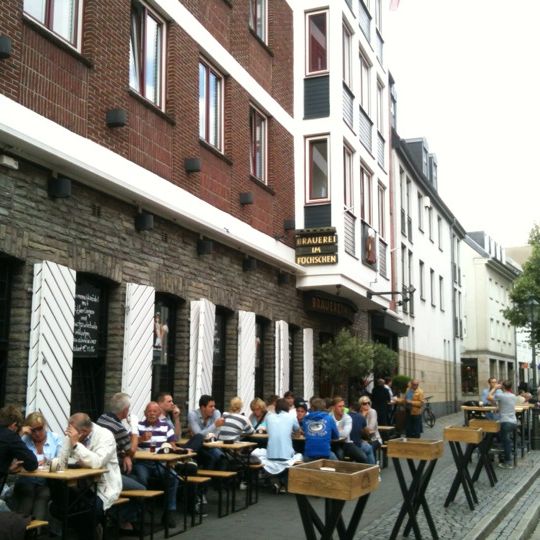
pixel 325 427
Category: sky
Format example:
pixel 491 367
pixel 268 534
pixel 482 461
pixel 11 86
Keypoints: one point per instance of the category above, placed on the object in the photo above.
pixel 467 76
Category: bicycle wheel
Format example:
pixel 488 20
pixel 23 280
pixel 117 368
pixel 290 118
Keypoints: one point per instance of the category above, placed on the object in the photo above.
pixel 429 417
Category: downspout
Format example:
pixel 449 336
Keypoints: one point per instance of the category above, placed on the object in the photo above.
pixel 454 279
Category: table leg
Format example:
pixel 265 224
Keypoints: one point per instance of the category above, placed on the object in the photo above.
pixel 484 460
pixel 462 476
pixel 355 518
pixel 304 507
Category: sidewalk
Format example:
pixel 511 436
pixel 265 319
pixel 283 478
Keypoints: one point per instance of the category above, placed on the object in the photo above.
pixel 277 515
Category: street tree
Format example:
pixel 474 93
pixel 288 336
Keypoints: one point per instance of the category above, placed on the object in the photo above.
pixel 385 361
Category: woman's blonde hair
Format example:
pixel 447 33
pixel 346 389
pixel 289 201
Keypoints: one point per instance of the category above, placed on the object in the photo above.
pixel 236 404
pixel 258 402
pixel 35 418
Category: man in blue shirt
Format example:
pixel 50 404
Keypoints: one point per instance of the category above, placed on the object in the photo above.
pixel 506 401
pixel 319 430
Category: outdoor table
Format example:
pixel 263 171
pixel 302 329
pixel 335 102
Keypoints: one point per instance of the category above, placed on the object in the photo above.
pixel 340 482
pixel 455 435
pixel 167 462
pixel 426 452
pixel 70 478
pixel 523 414
pixel 469 410
pixel 490 428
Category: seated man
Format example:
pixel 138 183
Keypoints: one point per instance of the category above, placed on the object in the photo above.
pixel 319 429
pixel 170 412
pixel 94 447
pixel 344 424
pixel 357 434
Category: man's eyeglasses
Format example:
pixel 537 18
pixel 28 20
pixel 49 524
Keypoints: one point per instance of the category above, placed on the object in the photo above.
pixel 37 429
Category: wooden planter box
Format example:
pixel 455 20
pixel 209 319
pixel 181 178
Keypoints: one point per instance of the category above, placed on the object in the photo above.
pixel 489 426
pixel 424 449
pixel 347 482
pixel 464 434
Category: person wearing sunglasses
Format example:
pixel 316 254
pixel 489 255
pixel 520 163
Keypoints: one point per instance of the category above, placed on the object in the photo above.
pixel 31 495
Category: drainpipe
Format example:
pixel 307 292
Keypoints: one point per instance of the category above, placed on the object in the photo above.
pixel 454 310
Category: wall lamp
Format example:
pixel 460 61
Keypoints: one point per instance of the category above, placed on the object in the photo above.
pixel 144 221
pixel 406 294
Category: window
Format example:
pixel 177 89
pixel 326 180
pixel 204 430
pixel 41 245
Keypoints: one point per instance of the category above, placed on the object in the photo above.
pixel 441 293
pixel 261 326
pixel 422 280
pixel 378 15
pixel 380 107
pixel 381 194
pixel 439 233
pixel 163 359
pixel 317 170
pixel 257 18
pixel 432 286
pixel 63 17
pixel 146 53
pixel 258 135
pixel 347 39
pixel 430 223
pixel 410 296
pixel 348 198
pixel 210 105
pixel 364 84
pixel 404 274
pixel 317 45
pixel 365 196
pixel 220 357
pixel 420 212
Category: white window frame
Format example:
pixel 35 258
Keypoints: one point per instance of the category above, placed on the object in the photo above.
pixel 308 44
pixel 160 94
pixel 380 106
pixel 366 186
pixel 206 135
pixel 422 279
pixel 441 293
pixel 253 18
pixel 420 202
pixel 348 179
pixel 347 55
pixel 47 21
pixel 381 209
pixel 254 111
pixel 309 141
pixel 365 83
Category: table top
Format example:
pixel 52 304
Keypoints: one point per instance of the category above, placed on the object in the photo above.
pixel 261 436
pixel 240 445
pixel 167 458
pixel 491 408
pixel 386 428
pixel 67 475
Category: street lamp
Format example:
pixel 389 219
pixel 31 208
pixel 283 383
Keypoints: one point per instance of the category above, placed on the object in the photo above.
pixel 532 305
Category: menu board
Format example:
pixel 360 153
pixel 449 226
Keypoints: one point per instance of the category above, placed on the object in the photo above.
pixel 85 338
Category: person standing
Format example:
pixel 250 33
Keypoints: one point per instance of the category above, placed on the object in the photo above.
pixel 380 398
pixel 506 400
pixel 413 401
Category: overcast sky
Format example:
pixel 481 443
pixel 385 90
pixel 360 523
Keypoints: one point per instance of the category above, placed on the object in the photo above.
pixel 467 79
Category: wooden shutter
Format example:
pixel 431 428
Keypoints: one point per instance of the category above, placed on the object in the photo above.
pixel 246 357
pixel 308 363
pixel 282 357
pixel 50 360
pixel 201 350
pixel 138 341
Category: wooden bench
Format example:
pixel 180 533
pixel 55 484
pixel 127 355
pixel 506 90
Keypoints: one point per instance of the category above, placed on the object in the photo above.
pixel 33 527
pixel 253 482
pixel 223 479
pixel 113 518
pixel 196 482
pixel 382 458
pixel 142 496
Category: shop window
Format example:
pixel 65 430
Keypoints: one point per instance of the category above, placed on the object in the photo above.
pixel 260 334
pixel 469 376
pixel 220 357
pixel 163 358
pixel 5 293
pixel 89 345
pixel 294 336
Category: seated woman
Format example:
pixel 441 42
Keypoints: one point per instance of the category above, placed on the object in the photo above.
pixel 31 495
pixel 372 425
pixel 258 414
pixel 235 424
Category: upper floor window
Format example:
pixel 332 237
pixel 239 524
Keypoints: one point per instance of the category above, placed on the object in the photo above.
pixel 420 211
pixel 381 206
pixel 317 170
pixel 347 40
pixel 430 223
pixel 364 83
pixel 439 232
pixel 257 18
pixel 348 198
pixel 378 15
pixel 63 17
pixel 365 196
pixel 210 105
pixel 147 43
pixel 258 130
pixel 380 107
pixel 317 42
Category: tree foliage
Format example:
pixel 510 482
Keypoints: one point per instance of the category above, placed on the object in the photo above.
pixel 526 289
pixel 385 361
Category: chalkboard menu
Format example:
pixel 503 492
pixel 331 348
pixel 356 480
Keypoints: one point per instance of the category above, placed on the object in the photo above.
pixel 85 338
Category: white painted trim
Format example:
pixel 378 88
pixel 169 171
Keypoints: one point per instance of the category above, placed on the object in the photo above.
pixel 42 140
pixel 207 42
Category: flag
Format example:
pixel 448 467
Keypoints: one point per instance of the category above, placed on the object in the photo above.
pixel 394 4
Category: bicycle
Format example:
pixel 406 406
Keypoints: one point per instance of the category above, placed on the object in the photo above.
pixel 428 415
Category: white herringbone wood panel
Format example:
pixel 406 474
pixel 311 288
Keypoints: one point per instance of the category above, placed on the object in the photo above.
pixel 246 357
pixel 308 363
pixel 282 357
pixel 138 343
pixel 201 350
pixel 50 360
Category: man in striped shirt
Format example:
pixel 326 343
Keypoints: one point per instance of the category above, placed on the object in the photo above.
pixel 235 424
pixel 153 432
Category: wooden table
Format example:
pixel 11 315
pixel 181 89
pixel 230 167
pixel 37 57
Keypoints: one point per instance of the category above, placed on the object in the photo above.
pixel 341 482
pixel 167 462
pixel 70 478
pixel 426 452
pixel 490 428
pixel 472 437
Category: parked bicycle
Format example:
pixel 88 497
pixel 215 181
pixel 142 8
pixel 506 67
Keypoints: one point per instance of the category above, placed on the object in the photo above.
pixel 428 415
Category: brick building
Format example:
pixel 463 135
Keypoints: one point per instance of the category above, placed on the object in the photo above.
pixel 147 205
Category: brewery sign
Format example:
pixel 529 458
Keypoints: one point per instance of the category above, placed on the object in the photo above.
pixel 316 246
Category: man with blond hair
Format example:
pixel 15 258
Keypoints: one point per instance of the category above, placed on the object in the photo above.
pixel 236 424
